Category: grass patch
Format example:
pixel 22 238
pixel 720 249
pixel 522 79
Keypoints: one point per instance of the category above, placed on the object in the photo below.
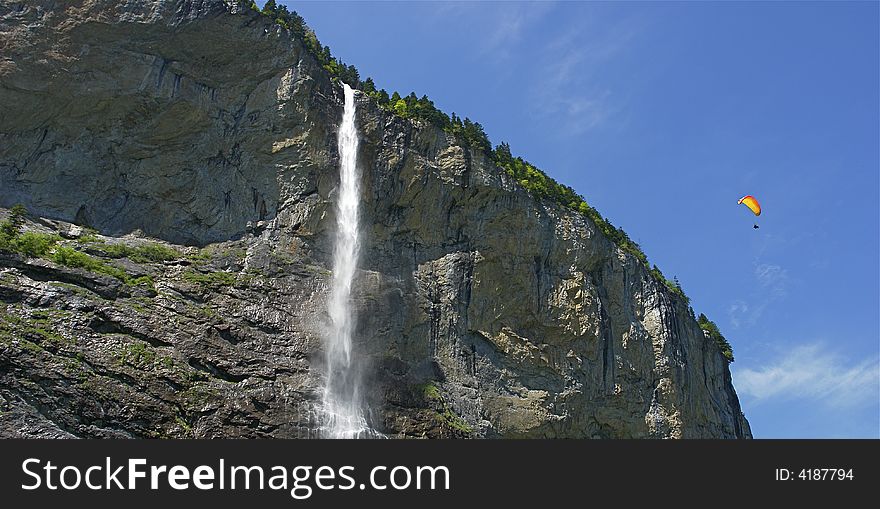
pixel 30 244
pixel 144 253
pixel 42 245
pixel 7 323
pixel 10 318
pixel 185 426
pixel 205 312
pixel 73 366
pixel 444 415
pixel 33 332
pixel 145 281
pixel 5 334
pixel 70 257
pixel 30 346
pixel 142 355
pixel 214 252
pixel 450 419
pixel 198 396
pixel 430 391
pixel 137 354
pixel 44 335
pixel 79 290
pixel 140 304
pixel 90 238
pixel 210 279
pixel 35 244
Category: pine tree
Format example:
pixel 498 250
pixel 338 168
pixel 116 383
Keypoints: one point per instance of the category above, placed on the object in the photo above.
pixel 369 87
pixel 271 9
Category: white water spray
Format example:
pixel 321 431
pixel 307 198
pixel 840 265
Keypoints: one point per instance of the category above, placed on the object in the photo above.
pixel 342 402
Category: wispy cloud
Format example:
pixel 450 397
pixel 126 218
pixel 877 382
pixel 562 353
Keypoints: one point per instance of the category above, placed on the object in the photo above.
pixel 773 283
pixel 570 89
pixel 564 73
pixel 742 313
pixel 812 372
pixel 509 27
pixel 773 278
pixel 499 29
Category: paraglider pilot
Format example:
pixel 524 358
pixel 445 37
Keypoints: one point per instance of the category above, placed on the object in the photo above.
pixel 753 205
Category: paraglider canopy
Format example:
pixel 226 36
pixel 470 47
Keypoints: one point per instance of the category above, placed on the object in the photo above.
pixel 750 202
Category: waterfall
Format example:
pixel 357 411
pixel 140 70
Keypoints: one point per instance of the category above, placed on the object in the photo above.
pixel 343 409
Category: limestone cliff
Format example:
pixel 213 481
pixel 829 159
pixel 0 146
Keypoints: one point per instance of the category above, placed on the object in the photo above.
pixel 207 134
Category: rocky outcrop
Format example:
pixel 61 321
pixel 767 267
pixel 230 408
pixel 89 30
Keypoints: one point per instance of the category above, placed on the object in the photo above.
pixel 210 132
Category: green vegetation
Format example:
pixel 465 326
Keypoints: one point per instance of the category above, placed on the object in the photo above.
pixel 296 24
pixel 444 415
pixel 672 285
pixel 140 304
pixel 7 323
pixel 90 238
pixel 210 279
pixel 198 395
pixel 249 4
pixel 14 222
pixel 144 253
pixel 79 290
pixel 202 255
pixel 38 325
pixel 70 257
pixel 137 354
pixel 217 254
pixel 29 243
pixel 42 245
pixel 539 184
pixel 202 311
pixel 74 367
pixel 5 316
pixel 34 244
pixel 714 333
pixel 430 391
pixel 30 346
pixel 450 419
pixel 33 332
pixel 185 426
pixel 42 335
pixel 468 133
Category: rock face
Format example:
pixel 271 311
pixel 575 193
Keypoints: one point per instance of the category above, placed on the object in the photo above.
pixel 209 133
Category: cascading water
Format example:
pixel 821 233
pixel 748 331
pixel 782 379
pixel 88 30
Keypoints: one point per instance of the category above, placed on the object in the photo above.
pixel 342 401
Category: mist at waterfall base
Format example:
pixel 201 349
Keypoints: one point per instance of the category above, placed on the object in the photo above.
pixel 343 408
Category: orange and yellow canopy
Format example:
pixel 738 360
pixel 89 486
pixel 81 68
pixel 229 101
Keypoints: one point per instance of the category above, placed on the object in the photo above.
pixel 750 202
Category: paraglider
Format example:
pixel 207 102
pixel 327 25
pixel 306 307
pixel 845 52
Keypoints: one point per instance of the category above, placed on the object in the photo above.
pixel 753 205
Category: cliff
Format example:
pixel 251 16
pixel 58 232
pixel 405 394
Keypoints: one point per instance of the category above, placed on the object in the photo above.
pixel 198 140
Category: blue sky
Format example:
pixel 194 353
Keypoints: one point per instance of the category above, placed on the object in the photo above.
pixel 663 115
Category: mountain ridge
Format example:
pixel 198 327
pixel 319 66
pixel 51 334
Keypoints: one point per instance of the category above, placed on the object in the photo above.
pixel 186 136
